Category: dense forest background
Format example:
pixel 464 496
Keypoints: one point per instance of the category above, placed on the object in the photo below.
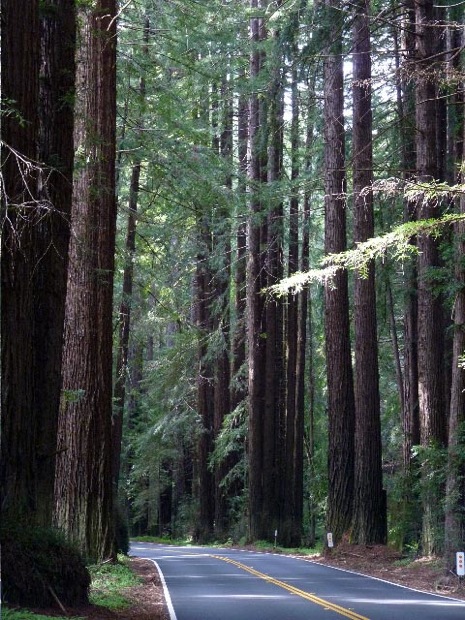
pixel 233 302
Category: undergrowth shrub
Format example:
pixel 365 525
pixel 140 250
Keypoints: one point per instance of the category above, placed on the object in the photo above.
pixel 39 567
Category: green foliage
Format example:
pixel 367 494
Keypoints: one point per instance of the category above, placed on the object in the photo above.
pixel 396 244
pixel 107 582
pixel 23 614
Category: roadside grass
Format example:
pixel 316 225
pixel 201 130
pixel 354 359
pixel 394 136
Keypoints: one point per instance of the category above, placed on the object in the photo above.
pixel 23 614
pixel 105 591
pixel 258 545
pixel 179 542
pixel 107 582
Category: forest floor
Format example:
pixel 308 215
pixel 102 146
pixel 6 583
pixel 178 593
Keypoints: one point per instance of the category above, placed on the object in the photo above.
pixel 426 574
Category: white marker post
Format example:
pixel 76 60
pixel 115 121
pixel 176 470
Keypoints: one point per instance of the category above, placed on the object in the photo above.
pixel 329 538
pixel 275 537
pixel 460 562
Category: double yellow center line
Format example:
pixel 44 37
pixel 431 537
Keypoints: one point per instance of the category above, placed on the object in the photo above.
pixel 306 595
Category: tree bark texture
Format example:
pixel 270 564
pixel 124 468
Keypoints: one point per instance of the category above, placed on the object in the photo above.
pixel 455 485
pixel 369 525
pixel 256 330
pixel 291 527
pixel 341 413
pixel 20 211
pixel 430 314
pixel 35 243
pixel 84 491
pixel 273 509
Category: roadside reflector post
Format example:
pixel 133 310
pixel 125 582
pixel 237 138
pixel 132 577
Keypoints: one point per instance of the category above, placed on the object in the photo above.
pixel 460 563
pixel 329 538
pixel 275 538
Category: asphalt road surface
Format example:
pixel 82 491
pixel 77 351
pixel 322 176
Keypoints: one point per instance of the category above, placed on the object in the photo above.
pixel 228 584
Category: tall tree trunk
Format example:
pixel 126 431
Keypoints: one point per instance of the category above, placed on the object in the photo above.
pixel 291 529
pixel 455 484
pixel 238 386
pixel 255 326
pixel 222 319
pixel 274 414
pixel 406 112
pixel 305 349
pixel 455 488
pixel 83 486
pixel 369 525
pixel 430 315
pixel 205 383
pixel 20 212
pixel 404 49
pixel 34 246
pixel 56 150
pixel 341 413
pixel 119 391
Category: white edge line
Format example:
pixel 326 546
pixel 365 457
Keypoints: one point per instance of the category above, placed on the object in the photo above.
pixel 166 592
pixel 392 583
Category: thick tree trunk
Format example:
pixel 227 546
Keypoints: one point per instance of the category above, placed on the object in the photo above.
pixel 369 525
pixel 21 210
pixel 455 484
pixel 341 414
pixel 84 492
pixel 34 246
pixel 430 315
pixel 58 34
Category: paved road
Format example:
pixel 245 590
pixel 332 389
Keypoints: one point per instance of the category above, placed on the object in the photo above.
pixel 226 584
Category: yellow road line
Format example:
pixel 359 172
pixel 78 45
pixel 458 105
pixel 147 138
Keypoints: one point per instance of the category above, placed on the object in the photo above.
pixel 306 595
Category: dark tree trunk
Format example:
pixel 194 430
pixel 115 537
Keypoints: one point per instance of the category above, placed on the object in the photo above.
pixel 406 112
pixel 84 492
pixel 255 319
pixel 205 385
pixel 35 247
pixel 341 414
pixel 56 150
pixel 369 525
pixel 455 487
pixel 273 509
pixel 291 528
pixel 305 349
pixel 119 391
pixel 222 377
pixel 20 212
pixel 430 315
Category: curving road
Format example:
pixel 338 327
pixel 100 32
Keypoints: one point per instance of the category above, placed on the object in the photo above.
pixel 228 584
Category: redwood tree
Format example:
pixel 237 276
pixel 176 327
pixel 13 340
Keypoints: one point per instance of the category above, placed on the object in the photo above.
pixel 255 320
pixel 430 314
pixel 369 501
pixel 83 485
pixel 37 160
pixel 341 415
